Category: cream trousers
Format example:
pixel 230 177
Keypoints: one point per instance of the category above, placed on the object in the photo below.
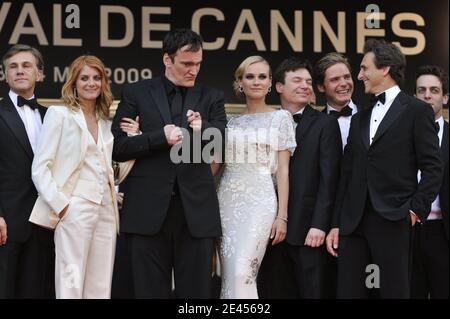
pixel 85 242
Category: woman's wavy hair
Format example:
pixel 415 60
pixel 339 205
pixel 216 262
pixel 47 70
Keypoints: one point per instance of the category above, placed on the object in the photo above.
pixel 68 92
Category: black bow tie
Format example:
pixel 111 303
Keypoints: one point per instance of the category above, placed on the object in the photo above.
pixel 375 98
pixel 437 127
pixel 346 111
pixel 297 117
pixel 21 101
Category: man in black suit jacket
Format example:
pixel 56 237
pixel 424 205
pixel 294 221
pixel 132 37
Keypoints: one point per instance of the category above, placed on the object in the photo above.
pixel 430 273
pixel 26 250
pixel 170 211
pixel 379 197
pixel 313 176
pixel 333 78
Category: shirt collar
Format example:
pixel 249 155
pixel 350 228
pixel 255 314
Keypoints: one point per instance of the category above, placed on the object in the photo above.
pixel 170 86
pixel 391 94
pixel 300 111
pixel 350 105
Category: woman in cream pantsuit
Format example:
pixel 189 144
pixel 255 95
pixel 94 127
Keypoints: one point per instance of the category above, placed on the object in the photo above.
pixel 73 174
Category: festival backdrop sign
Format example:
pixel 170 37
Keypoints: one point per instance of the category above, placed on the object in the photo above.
pixel 128 36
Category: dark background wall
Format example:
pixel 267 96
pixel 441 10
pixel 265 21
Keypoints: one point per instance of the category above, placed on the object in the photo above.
pixel 242 28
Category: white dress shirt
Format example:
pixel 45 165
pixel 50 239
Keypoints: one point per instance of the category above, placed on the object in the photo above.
pixel 380 110
pixel 344 121
pixel 31 120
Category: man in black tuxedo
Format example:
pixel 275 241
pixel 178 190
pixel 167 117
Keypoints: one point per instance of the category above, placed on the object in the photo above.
pixel 170 211
pixel 333 78
pixel 430 273
pixel 379 197
pixel 313 176
pixel 26 250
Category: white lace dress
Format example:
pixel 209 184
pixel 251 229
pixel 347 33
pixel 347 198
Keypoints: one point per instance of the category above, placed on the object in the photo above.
pixel 247 196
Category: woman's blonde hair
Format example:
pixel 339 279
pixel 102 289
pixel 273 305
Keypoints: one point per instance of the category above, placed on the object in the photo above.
pixel 68 92
pixel 240 71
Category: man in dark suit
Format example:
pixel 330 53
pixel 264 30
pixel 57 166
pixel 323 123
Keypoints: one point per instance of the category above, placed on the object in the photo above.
pixel 313 176
pixel 170 211
pixel 333 78
pixel 26 250
pixel 430 273
pixel 379 197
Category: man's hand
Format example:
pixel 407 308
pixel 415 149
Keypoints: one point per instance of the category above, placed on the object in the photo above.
pixel 333 241
pixel 315 237
pixel 173 133
pixel 195 120
pixel 3 231
pixel 130 126
pixel 413 219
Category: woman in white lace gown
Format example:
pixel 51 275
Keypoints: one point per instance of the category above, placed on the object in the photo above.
pixel 259 144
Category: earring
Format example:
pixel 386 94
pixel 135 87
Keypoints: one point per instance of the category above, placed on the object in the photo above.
pixel 75 93
pixel 269 90
pixel 241 89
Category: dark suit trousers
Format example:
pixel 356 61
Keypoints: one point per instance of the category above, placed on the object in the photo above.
pixel 276 276
pixel 380 243
pixel 27 270
pixel 309 269
pixel 122 281
pixel 152 259
pixel 430 272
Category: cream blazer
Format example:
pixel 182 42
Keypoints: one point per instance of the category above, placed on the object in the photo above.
pixel 58 160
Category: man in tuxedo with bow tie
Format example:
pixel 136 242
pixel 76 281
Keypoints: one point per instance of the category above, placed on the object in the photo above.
pixel 170 213
pixel 26 250
pixel 333 78
pixel 313 177
pixel 379 198
pixel 430 273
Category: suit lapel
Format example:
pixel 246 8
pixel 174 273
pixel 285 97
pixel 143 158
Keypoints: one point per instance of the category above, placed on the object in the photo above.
pixel 79 119
pixel 190 103
pixel 444 144
pixel 397 107
pixel 365 126
pixel 13 120
pixel 308 117
pixel 159 95
pixel 106 140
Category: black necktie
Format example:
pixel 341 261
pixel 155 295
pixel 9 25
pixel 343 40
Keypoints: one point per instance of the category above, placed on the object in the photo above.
pixel 297 117
pixel 21 101
pixel 437 127
pixel 346 111
pixel 177 107
pixel 375 98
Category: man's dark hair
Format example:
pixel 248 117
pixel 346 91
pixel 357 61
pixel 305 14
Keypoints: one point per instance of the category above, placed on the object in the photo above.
pixel 24 48
pixel 290 64
pixel 387 54
pixel 178 38
pixel 437 72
